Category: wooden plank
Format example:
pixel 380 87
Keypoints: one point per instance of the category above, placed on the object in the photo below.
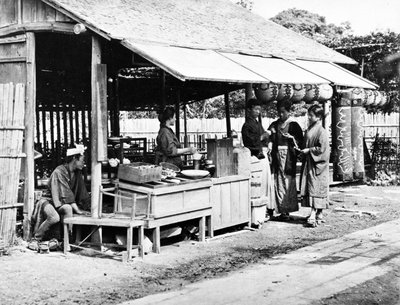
pixel 28 11
pixel 40 11
pixel 12 59
pixel 71 124
pixel 95 164
pixel 49 13
pixel 56 27
pixel 8 9
pixel 14 39
pixel 106 222
pixel 102 115
pixel 30 133
pixel 171 219
pixel 225 197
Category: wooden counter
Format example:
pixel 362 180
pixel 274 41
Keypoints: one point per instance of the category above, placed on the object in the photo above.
pixel 230 198
pixel 169 203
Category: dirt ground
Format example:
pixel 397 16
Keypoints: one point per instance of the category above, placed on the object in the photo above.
pixel 82 278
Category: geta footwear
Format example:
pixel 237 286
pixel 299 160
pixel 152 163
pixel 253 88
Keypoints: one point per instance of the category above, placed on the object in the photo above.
pixel 53 244
pixel 311 222
pixel 33 245
pixel 44 247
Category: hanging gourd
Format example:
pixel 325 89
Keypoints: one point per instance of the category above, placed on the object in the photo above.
pixel 325 92
pixel 299 91
pixel 266 93
pixel 285 92
pixel 312 93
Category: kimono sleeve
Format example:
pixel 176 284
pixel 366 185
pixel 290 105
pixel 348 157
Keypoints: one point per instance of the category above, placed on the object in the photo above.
pixel 61 192
pixel 297 133
pixel 251 136
pixel 321 150
pixel 167 144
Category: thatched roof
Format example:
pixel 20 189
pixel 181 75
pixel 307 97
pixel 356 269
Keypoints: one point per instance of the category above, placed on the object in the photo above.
pixel 200 24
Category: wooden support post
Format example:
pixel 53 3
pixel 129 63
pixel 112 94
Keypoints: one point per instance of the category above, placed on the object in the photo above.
pixel 177 113
pixel 117 106
pixel 30 121
pixel 95 164
pixel 228 115
pixel 185 125
pixel 163 93
pixel 248 95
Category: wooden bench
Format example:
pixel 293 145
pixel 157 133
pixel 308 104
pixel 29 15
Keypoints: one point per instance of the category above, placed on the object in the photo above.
pixel 127 223
pixel 120 219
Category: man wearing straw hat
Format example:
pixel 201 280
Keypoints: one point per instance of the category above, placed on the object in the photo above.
pixel 67 195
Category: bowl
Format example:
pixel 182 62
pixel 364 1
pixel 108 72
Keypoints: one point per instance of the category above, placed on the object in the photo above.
pixel 195 173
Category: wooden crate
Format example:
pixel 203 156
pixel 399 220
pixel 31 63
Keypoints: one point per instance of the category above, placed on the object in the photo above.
pixel 171 199
pixel 139 172
pixel 230 197
pixel 220 151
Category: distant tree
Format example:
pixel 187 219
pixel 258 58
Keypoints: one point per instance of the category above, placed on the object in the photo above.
pixel 247 4
pixel 312 25
pixel 370 51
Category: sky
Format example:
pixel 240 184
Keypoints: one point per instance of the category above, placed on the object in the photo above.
pixel 364 16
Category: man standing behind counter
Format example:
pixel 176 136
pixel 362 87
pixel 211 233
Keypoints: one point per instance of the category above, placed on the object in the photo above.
pixel 253 134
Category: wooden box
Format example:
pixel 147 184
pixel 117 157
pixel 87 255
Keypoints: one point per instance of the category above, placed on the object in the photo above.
pixel 230 201
pixel 220 151
pixel 139 172
pixel 169 200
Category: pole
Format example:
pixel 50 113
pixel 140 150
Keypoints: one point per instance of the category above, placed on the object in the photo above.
pixel 177 113
pixel 228 115
pixel 95 164
pixel 30 121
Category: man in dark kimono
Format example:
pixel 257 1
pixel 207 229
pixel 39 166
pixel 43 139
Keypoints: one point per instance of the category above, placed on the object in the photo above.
pixel 315 170
pixel 67 194
pixel 253 133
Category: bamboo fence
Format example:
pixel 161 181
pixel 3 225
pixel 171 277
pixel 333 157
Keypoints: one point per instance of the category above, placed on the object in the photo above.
pixel 12 112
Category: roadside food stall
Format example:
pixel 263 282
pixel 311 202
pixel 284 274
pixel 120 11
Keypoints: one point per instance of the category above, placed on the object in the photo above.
pixel 84 61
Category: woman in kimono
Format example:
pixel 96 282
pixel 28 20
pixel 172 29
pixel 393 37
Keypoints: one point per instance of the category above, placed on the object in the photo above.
pixel 255 138
pixel 168 146
pixel 286 136
pixel 315 170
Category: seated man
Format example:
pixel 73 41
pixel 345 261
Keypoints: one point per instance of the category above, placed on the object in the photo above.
pixel 67 195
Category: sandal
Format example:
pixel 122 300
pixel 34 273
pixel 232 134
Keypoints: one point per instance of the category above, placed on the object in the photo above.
pixel 53 244
pixel 44 247
pixel 311 222
pixel 33 245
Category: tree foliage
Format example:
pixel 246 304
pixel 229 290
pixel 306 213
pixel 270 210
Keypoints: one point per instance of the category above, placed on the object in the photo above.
pixel 312 25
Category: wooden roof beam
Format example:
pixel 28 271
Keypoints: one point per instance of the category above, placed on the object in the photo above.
pixel 57 27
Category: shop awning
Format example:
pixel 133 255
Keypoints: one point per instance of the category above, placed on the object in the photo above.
pixel 277 70
pixel 191 64
pixel 335 74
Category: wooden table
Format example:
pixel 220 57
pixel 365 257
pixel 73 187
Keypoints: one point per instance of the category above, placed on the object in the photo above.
pixel 168 203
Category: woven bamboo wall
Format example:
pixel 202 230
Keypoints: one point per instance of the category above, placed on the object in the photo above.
pixel 12 111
